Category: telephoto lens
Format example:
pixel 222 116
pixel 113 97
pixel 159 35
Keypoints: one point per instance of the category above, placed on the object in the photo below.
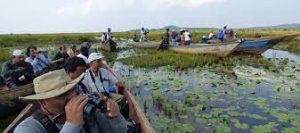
pixel 94 103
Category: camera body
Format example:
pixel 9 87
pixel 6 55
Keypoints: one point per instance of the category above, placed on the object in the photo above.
pixel 94 103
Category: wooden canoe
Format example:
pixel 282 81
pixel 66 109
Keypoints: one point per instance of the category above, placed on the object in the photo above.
pixel 10 102
pixel 135 113
pixel 220 50
pixel 260 46
pixel 109 46
pixel 147 44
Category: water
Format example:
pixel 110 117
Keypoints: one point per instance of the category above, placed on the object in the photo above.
pixel 201 100
pixel 217 102
pixel 271 53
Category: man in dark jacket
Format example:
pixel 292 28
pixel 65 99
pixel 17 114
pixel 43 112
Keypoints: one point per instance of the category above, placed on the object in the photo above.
pixel 61 57
pixel 17 72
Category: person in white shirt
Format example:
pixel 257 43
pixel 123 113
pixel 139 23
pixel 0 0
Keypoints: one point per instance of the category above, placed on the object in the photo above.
pixel 97 78
pixel 187 37
pixel 143 34
pixel 84 51
pixel 211 35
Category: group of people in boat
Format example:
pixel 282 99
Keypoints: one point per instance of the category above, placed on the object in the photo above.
pixel 184 37
pixel 63 92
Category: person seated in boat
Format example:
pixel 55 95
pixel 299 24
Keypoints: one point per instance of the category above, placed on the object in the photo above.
pixel 135 38
pixel 61 109
pixel 103 38
pixel 74 68
pixel 73 52
pixel 164 44
pixel 17 72
pixel 38 60
pixel 83 53
pixel 99 79
pixel 60 58
pixel 204 39
pixel 211 35
pixel 3 85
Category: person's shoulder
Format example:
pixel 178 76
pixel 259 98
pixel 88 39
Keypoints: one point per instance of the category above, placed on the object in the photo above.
pixel 9 62
pixel 103 70
pixel 30 125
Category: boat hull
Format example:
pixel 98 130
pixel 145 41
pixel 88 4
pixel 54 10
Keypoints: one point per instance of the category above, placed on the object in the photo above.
pixel 10 103
pixel 109 46
pixel 260 46
pixel 220 50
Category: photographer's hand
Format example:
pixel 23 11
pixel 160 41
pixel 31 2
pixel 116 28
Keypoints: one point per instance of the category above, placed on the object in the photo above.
pixel 74 109
pixel 112 109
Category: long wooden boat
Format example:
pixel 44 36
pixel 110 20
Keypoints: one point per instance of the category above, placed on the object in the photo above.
pixel 135 113
pixel 10 102
pixel 109 46
pixel 262 45
pixel 220 50
pixel 146 44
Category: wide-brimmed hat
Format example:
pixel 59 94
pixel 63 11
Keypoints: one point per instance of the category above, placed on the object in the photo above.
pixel 95 56
pixel 52 84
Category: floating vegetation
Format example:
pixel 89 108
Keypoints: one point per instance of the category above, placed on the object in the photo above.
pixel 213 102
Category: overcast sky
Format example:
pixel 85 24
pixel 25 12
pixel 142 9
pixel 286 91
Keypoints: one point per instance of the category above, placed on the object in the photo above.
pixel 52 16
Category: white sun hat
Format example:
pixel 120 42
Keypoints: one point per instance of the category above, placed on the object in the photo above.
pixel 17 52
pixel 95 56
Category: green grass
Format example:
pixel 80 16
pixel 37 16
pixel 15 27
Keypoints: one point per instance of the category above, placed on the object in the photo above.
pixel 75 38
pixel 152 59
pixel 292 46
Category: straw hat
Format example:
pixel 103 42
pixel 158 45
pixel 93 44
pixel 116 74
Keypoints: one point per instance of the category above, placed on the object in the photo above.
pixel 52 84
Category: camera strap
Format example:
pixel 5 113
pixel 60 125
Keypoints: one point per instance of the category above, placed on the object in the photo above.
pixel 101 80
pixel 46 122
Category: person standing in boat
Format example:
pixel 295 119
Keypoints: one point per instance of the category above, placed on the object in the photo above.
pixel 61 109
pixel 174 38
pixel 182 39
pixel 187 38
pixel 144 34
pixel 220 36
pixel 17 72
pixel 38 61
pixel 167 36
pixel 98 79
pixel 108 35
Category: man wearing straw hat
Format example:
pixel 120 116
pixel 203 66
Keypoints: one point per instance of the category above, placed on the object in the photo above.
pixel 62 110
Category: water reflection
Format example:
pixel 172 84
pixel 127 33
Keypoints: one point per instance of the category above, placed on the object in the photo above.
pixel 271 53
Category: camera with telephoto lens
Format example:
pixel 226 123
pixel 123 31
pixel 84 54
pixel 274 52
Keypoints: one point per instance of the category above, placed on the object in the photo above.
pixel 94 103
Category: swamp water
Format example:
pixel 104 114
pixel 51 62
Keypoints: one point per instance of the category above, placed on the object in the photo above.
pixel 202 100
